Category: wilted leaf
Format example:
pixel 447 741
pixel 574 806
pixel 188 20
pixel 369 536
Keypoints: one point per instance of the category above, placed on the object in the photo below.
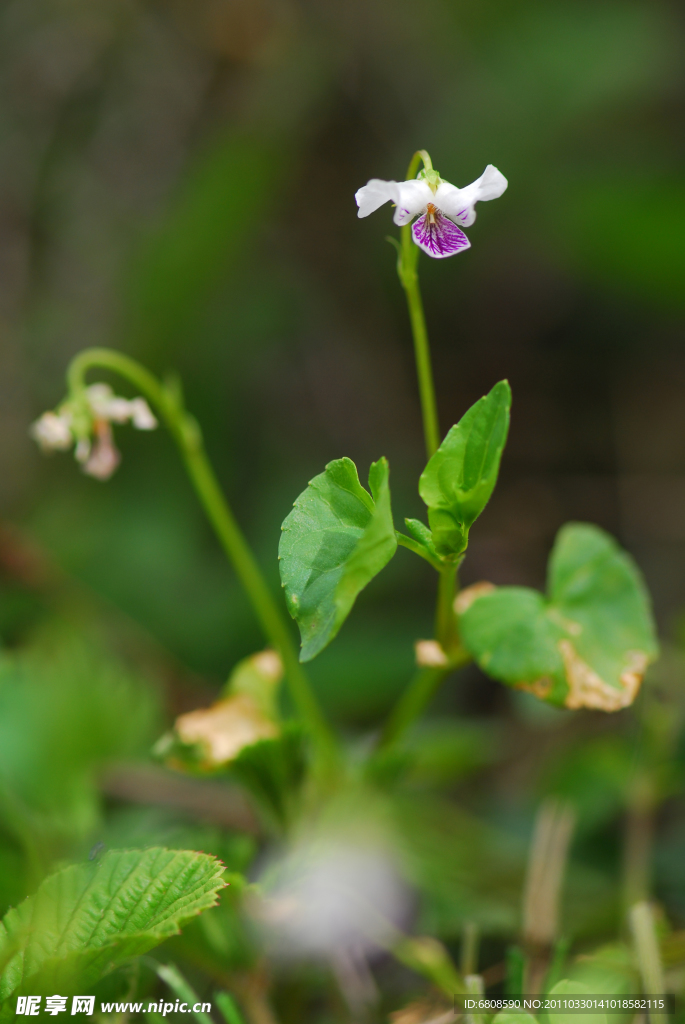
pixel 587 644
pixel 224 729
pixel 207 739
pixel 457 482
pixel 88 918
pixel 336 539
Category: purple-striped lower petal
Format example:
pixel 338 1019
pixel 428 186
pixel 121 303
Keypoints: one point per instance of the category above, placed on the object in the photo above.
pixel 438 235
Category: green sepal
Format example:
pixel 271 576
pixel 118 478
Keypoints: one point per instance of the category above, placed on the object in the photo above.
pixel 586 644
pixel 460 477
pixel 420 532
pixel 336 539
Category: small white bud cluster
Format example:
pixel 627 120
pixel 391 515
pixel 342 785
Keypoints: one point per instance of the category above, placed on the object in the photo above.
pixel 87 423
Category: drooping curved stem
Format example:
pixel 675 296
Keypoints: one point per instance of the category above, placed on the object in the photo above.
pixel 409 278
pixel 185 431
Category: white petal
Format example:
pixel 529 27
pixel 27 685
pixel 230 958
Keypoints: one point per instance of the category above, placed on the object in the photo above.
pixel 141 414
pixel 459 203
pixel 105 405
pixel 371 196
pixel 82 449
pixel 52 432
pixel 413 197
pixel 104 456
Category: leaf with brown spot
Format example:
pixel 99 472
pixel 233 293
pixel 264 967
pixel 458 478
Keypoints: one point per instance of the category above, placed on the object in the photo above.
pixel 587 644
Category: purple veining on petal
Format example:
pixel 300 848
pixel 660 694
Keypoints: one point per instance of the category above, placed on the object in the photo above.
pixel 437 235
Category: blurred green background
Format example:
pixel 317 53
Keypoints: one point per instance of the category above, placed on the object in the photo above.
pixel 177 181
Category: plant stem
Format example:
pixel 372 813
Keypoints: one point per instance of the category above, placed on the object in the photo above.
pixel 172 977
pixel 409 280
pixel 187 435
pixel 648 955
pixel 426 681
pixel 446 632
pixel 415 698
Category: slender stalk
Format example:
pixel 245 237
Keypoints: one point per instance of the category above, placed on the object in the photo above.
pixel 227 1007
pixel 639 839
pixel 648 955
pixel 427 680
pixel 470 941
pixel 547 861
pixel 416 697
pixel 446 631
pixel 187 435
pixel 409 280
pixel 475 987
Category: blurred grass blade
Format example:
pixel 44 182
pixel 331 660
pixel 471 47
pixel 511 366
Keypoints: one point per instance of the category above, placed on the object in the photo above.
pixel 180 987
pixel 647 953
pixel 228 1008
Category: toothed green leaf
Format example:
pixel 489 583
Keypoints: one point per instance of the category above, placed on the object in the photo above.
pixel 88 918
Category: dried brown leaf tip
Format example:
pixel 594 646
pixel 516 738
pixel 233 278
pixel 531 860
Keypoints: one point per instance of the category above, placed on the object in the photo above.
pixel 466 597
pixel 224 729
pixel 539 687
pixel 246 714
pixel 587 689
pixel 429 654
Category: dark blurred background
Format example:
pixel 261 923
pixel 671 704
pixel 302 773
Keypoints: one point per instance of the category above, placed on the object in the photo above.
pixel 177 181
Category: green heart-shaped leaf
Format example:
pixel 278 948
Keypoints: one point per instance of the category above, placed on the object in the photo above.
pixel 587 644
pixel 88 918
pixel 336 539
pixel 457 482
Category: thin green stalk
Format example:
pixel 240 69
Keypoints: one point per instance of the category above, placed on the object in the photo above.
pixel 426 681
pixel 409 279
pixel 470 943
pixel 648 955
pixel 180 987
pixel 446 632
pixel 187 435
pixel 227 1007
pixel 413 701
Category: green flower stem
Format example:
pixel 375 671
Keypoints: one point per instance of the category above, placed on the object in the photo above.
pixel 648 955
pixel 446 630
pixel 409 279
pixel 416 697
pixel 186 432
pixel 172 977
pixel 426 681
